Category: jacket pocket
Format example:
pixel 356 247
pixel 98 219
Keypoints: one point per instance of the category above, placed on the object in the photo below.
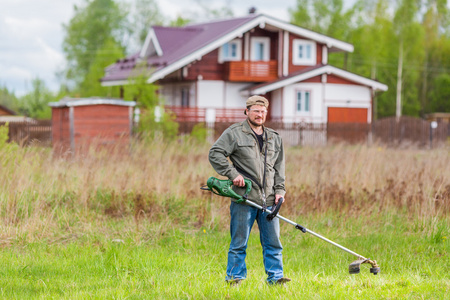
pixel 246 149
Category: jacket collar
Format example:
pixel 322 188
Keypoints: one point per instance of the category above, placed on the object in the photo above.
pixel 246 127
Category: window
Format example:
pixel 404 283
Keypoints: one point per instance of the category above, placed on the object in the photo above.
pixel 230 51
pixel 303 52
pixel 260 48
pixel 303 104
pixel 185 97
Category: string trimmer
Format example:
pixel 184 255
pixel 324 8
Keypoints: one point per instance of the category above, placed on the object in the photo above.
pixel 223 187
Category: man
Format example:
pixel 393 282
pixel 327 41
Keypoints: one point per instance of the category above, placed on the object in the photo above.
pixel 256 153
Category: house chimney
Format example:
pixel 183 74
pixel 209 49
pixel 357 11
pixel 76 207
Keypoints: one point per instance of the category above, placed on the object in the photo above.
pixel 252 10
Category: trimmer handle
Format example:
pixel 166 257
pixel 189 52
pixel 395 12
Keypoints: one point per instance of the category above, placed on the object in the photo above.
pixel 275 209
pixel 223 187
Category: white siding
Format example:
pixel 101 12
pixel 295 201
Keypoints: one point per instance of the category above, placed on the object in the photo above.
pixel 171 93
pixel 316 103
pixel 210 93
pixel 276 104
pixel 347 95
pixel 219 94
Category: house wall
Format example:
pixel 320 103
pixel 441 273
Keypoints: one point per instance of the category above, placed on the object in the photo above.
pixel 349 96
pixel 322 96
pixel 276 105
pixel 171 93
pixel 207 67
pixel 290 115
pixel 220 94
pixel 295 68
pixel 259 32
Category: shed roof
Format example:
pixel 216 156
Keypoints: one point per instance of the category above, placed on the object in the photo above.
pixel 68 102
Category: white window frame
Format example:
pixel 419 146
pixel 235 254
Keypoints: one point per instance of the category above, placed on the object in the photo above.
pixel 302 100
pixel 266 42
pixel 238 56
pixel 304 60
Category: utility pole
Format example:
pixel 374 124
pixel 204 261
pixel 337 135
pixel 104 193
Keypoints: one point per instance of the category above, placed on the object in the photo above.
pixel 398 110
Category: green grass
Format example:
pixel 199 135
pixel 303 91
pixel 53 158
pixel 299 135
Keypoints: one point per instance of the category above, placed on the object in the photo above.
pixel 183 263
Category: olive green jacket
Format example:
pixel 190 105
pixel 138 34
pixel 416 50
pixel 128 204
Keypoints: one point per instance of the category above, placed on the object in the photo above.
pixel 240 145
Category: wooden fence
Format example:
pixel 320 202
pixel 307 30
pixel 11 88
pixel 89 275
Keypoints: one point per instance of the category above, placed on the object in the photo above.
pixel 407 131
pixel 30 132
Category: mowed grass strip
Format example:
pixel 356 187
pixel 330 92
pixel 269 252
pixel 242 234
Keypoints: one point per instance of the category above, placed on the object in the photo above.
pixel 186 264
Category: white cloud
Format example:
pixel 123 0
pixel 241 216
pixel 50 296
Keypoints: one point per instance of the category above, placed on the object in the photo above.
pixel 31 38
pixel 16 73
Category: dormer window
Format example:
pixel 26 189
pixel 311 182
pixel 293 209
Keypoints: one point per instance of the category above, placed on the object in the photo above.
pixel 303 52
pixel 231 51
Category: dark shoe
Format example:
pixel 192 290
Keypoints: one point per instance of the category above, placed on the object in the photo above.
pixel 234 282
pixel 283 280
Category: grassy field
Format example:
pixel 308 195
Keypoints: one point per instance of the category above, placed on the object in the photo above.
pixel 190 264
pixel 137 226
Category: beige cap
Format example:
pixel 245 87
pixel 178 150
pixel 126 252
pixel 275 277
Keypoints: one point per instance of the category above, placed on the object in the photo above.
pixel 257 100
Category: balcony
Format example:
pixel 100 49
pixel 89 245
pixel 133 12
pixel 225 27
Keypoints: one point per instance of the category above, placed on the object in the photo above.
pixel 251 71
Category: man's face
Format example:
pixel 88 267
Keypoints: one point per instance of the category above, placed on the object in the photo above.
pixel 257 115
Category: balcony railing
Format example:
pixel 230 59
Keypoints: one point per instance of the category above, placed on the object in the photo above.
pixel 251 71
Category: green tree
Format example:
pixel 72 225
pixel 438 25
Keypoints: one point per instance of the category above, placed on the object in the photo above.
pixel 93 24
pixel 179 22
pixel 105 56
pixel 35 103
pixel 300 15
pixel 410 56
pixel 373 42
pixel 8 99
pixel 146 14
pixel 440 96
pixel 326 16
pixel 437 51
pixel 150 104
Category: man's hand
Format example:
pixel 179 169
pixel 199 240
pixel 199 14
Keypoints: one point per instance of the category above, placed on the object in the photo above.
pixel 239 181
pixel 278 197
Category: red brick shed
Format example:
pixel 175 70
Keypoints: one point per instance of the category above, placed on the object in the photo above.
pixel 79 122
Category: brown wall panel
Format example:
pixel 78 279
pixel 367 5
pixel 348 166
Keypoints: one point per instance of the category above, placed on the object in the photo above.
pixel 339 80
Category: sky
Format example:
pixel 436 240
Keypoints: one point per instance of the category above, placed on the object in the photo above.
pixel 31 34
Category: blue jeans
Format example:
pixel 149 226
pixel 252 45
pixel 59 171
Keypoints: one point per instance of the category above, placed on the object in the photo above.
pixel 242 219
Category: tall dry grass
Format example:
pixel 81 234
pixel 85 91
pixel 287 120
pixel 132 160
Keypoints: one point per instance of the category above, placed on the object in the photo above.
pixel 157 183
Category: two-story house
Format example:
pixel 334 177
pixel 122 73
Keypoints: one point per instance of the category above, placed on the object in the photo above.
pixel 208 70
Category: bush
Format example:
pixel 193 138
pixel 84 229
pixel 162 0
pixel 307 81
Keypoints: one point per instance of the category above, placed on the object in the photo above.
pixel 199 133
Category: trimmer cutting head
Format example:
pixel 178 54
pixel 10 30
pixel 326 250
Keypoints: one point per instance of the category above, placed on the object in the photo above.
pixel 354 267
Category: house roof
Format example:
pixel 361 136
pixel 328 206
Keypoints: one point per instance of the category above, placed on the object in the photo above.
pixel 312 72
pixel 168 49
pixel 68 102
pixel 7 110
